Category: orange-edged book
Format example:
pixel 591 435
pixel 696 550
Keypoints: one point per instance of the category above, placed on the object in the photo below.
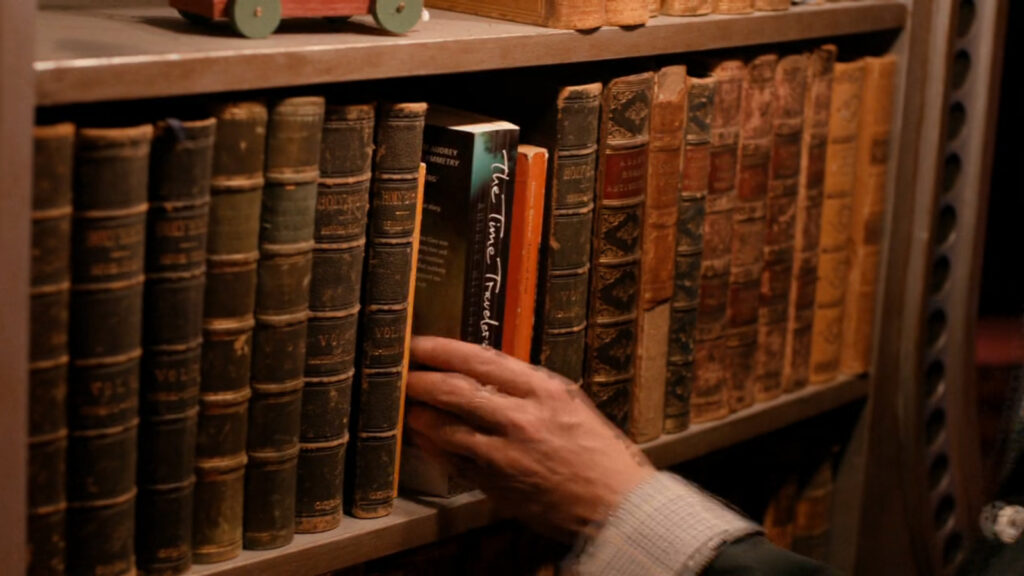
pixel 524 250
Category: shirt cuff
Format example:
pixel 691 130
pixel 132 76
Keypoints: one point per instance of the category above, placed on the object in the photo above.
pixel 665 526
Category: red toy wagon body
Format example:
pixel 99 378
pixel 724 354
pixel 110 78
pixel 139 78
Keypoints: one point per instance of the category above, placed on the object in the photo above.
pixel 259 18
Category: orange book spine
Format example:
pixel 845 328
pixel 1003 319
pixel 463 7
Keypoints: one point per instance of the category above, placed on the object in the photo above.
pixel 524 251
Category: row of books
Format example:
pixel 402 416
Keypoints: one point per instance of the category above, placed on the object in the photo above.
pixel 588 14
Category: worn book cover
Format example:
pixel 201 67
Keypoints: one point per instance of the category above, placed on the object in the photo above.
pixel 686 7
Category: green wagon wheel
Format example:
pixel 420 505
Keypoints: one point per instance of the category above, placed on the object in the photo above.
pixel 397 16
pixel 194 18
pixel 255 18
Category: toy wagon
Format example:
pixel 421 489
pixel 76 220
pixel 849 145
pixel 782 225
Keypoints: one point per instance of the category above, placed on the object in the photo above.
pixel 259 18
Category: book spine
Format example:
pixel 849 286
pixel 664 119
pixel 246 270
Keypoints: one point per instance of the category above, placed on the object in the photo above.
pixel 686 7
pixel 54 151
pixel 105 338
pixel 733 6
pixel 771 5
pixel 661 210
pixel 778 518
pixel 371 484
pixel 709 398
pixel 780 232
pixel 653 8
pixel 339 234
pixel 527 222
pixel 689 245
pixel 833 250
pixel 625 12
pixel 868 215
pixel 287 217
pixel 574 14
pixel 618 227
pixel 560 336
pixel 812 516
pixel 236 190
pixel 179 202
pixel 817 99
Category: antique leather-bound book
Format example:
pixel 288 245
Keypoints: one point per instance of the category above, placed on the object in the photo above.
pixel 748 229
pixel 817 100
pixel 653 8
pixel 733 6
pixel 771 5
pixel 179 194
pixel 236 190
pixel 524 250
pixel 780 231
pixel 610 374
pixel 343 197
pixel 371 477
pixel 294 131
pixel 680 374
pixel 54 150
pixel 867 221
pixel 709 397
pixel 837 204
pixel 570 130
pixel 813 513
pixel 778 517
pixel 686 7
pixel 571 14
pixel 626 12
pixel 105 339
pixel 661 209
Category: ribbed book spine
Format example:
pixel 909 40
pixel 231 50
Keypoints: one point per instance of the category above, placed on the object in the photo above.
pixel 748 229
pixel 626 12
pixel 680 373
pixel 560 329
pixel 817 99
pixel 780 231
pixel 294 131
pixel 686 7
pixel 617 241
pixel 179 196
pixel 54 148
pixel 343 197
pixel 771 5
pixel 709 398
pixel 105 336
pixel 733 6
pixel 236 191
pixel 391 240
pixel 833 251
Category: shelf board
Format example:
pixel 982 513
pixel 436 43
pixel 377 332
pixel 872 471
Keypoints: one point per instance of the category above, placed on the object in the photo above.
pixel 100 54
pixel 420 520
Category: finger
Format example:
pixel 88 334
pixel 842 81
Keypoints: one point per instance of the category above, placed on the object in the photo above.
pixel 464 396
pixel 452 434
pixel 486 365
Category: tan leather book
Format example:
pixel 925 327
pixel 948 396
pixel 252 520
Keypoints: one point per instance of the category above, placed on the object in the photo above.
pixel 626 12
pixel 653 8
pixel 686 7
pixel 817 100
pixel 771 5
pixel 778 518
pixel 833 251
pixel 812 518
pixel 568 14
pixel 748 229
pixel 661 209
pixel 867 218
pixel 733 6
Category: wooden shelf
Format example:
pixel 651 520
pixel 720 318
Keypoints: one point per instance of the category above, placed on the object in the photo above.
pixel 91 55
pixel 418 521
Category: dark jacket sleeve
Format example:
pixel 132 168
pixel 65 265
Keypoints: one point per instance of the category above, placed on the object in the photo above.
pixel 756 556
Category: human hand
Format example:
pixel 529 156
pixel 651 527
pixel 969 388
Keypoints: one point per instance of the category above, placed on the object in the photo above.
pixel 527 437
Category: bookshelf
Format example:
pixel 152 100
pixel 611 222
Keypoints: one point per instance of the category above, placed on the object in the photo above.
pixel 73 52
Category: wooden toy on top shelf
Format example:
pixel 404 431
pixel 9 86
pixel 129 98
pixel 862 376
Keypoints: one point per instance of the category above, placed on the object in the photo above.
pixel 259 18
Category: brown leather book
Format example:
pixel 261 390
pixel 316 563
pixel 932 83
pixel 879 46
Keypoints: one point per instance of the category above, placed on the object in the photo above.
pixel 778 518
pixel 618 236
pixel 105 339
pixel 343 197
pixel 653 8
pixel 780 231
pixel 570 14
pixel 524 250
pixel 372 470
pixel 867 220
pixel 812 518
pixel 709 398
pixel 833 250
pixel 817 100
pixel 236 190
pixel 661 210
pixel 680 373
pixel 294 131
pixel 686 7
pixel 626 12
pixel 179 194
pixel 54 151
pixel 771 5
pixel 733 6
pixel 748 229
